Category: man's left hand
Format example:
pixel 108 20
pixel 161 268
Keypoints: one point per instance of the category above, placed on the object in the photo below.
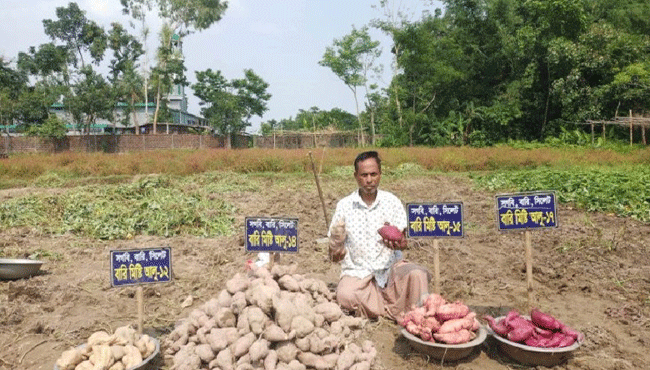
pixel 397 244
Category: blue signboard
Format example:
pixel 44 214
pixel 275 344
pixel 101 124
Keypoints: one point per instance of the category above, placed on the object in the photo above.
pixel 435 220
pixel 526 210
pixel 271 234
pixel 141 266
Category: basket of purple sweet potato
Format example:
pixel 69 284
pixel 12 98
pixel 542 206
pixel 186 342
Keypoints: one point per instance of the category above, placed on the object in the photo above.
pixel 538 339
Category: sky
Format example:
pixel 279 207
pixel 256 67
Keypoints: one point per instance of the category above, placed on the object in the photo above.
pixel 282 41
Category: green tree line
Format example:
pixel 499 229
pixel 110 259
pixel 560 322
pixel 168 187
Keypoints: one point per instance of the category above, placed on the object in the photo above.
pixel 488 71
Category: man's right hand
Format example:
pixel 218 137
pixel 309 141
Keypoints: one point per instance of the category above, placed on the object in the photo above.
pixel 337 242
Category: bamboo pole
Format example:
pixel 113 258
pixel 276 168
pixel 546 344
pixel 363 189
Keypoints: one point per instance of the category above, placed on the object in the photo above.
pixel 140 300
pixel 529 269
pixel 436 267
pixel 320 192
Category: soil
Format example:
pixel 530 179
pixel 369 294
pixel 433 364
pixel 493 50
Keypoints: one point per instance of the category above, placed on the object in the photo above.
pixel 592 272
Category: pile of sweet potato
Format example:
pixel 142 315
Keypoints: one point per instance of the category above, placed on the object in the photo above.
pixel 270 320
pixel 541 330
pixel 440 321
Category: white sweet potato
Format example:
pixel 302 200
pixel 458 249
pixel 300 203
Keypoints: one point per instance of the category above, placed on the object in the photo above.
pixel 318 362
pixel 302 326
pixel 132 356
pixel 212 305
pixel 85 365
pixel 330 311
pixel 205 353
pixel 363 365
pixel 288 282
pixel 319 320
pixel 285 310
pixel 225 360
pixel 70 359
pixel 225 317
pixel 303 344
pixel 125 335
pixel 274 333
pixel 238 302
pixel 145 345
pixel 259 350
pixel 224 299
pixel 296 365
pixel 271 360
pixel 237 283
pixel 304 306
pixel 98 338
pixel 346 359
pixel 280 270
pixel 261 296
pixel 241 346
pixel 101 357
pixel 257 319
pixel 118 352
pixel 216 340
pixel 286 351
pixel 118 365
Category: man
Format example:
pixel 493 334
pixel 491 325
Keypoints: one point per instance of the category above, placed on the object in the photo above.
pixel 375 280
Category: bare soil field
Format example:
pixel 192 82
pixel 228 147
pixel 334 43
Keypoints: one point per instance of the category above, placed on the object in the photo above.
pixel 592 272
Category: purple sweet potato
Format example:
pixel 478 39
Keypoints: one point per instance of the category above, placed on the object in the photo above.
pixel 500 328
pixel 391 233
pixel 544 320
pixel 520 334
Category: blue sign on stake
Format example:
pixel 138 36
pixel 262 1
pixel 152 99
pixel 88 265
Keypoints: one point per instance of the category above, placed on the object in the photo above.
pixel 130 267
pixel 526 210
pixel 435 220
pixel 271 234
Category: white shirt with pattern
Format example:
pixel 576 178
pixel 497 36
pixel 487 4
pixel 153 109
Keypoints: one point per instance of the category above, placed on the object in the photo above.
pixel 365 251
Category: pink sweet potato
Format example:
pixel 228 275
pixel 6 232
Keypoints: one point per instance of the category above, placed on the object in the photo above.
pixel 454 325
pixel 462 336
pixel 450 311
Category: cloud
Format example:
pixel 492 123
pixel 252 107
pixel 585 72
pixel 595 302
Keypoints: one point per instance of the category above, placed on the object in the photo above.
pixel 101 9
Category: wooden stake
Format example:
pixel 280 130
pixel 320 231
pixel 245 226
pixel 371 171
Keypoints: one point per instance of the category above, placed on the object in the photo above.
pixel 529 270
pixel 436 267
pixel 140 299
pixel 320 192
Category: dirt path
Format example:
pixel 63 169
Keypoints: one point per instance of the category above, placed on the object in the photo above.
pixel 592 272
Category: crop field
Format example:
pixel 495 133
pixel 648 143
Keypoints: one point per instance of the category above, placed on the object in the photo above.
pixel 71 209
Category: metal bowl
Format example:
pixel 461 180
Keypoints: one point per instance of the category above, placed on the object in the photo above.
pixel 141 366
pixel 533 356
pixel 18 268
pixel 445 352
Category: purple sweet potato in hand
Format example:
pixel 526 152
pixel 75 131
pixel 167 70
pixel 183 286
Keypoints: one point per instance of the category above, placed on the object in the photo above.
pixel 390 232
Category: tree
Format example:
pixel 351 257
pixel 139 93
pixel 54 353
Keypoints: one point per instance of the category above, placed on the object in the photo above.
pixel 90 99
pixel 351 58
pixel 12 83
pixel 79 34
pixel 126 81
pixel 229 105
pixel 180 17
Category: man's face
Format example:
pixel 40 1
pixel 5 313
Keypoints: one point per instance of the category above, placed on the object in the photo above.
pixel 368 176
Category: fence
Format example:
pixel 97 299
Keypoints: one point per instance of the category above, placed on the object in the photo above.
pixel 127 143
